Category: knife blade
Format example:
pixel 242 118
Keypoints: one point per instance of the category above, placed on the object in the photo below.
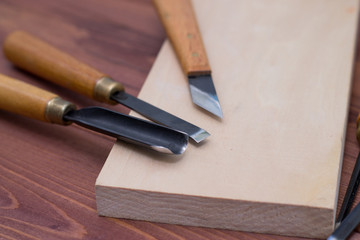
pixel 38 57
pixel 27 100
pixel 179 21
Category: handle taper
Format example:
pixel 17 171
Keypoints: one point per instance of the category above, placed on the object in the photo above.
pixel 27 100
pixel 44 60
pixel 180 24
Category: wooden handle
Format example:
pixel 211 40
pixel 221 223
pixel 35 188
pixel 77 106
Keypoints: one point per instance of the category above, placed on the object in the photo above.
pixel 24 99
pixel 41 59
pixel 181 27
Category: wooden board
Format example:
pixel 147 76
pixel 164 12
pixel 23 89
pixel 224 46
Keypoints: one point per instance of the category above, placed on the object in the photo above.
pixel 283 75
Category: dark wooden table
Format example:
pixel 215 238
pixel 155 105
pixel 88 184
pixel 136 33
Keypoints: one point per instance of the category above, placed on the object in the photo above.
pixel 48 172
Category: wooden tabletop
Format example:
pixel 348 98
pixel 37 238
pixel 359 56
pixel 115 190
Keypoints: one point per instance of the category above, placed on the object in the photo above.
pixel 48 172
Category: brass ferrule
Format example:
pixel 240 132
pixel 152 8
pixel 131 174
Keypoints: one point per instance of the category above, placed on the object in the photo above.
pixel 55 110
pixel 104 88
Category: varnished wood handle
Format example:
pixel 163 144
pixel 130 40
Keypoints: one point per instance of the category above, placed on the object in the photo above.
pixel 44 60
pixel 27 100
pixel 180 24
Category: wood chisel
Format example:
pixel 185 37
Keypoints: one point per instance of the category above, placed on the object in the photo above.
pixel 347 220
pixel 353 184
pixel 27 100
pixel 347 226
pixel 44 60
pixel 180 24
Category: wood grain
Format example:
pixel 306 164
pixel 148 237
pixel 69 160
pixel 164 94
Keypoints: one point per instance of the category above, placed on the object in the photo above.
pixel 48 172
pixel 266 168
pixel 40 58
pixel 24 99
pixel 181 26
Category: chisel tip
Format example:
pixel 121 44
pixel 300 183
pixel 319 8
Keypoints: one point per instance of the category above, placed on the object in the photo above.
pixel 200 135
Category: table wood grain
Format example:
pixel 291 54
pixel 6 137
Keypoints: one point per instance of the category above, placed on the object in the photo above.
pixel 48 172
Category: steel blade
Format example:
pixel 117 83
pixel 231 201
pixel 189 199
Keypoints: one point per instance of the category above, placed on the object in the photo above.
pixel 350 192
pixel 347 226
pixel 130 129
pixel 160 116
pixel 203 94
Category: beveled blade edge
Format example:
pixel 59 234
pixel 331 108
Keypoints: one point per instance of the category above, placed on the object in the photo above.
pixel 160 116
pixel 204 95
pixel 200 135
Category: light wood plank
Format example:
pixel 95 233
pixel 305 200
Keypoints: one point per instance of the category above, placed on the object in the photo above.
pixel 283 75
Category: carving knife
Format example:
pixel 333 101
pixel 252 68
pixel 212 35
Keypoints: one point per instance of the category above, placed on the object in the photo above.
pixel 44 60
pixel 180 24
pixel 27 100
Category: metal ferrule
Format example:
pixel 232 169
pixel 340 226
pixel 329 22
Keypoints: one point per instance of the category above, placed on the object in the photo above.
pixel 104 88
pixel 55 110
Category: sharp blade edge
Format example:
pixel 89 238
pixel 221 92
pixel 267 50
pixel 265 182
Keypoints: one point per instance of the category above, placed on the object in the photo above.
pixel 204 95
pixel 160 116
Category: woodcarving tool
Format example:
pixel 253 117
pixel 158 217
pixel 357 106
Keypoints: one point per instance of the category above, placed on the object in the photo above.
pixel 353 184
pixel 180 24
pixel 39 58
pixel 346 227
pixel 27 100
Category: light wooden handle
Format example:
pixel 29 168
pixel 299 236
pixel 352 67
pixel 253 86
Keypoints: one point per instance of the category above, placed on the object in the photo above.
pixel 44 60
pixel 182 29
pixel 24 99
